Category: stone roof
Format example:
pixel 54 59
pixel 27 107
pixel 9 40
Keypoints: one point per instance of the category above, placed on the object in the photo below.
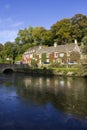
pixel 59 48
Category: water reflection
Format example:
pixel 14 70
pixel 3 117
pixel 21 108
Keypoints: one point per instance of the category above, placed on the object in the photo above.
pixel 66 94
pixel 28 103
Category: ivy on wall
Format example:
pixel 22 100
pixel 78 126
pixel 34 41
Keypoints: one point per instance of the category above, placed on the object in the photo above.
pixel 51 57
pixel 36 56
pixel 74 56
pixel 43 57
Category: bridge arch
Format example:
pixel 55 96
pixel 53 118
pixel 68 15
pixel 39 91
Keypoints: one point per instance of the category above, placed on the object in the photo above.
pixel 7 70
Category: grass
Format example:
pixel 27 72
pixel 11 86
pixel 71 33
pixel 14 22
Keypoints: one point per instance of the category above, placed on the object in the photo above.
pixel 66 69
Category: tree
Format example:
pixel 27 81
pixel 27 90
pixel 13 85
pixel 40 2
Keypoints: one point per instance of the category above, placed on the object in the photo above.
pixel 47 38
pixel 84 45
pixel 79 26
pixel 23 35
pixel 15 52
pixel 61 31
pixel 8 49
pixel 1 47
pixel 38 35
pixel 1 52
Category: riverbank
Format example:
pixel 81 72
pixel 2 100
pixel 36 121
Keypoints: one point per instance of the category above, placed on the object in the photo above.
pixel 65 71
pixel 74 72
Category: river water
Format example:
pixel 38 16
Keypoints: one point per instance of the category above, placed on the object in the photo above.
pixel 42 103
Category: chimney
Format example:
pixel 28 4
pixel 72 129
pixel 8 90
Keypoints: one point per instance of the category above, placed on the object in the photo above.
pixel 75 41
pixel 40 47
pixel 55 44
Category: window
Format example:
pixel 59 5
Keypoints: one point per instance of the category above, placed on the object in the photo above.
pixel 56 54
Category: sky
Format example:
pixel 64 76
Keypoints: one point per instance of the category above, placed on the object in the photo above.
pixel 20 14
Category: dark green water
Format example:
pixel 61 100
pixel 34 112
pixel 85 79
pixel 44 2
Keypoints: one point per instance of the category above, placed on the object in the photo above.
pixel 42 103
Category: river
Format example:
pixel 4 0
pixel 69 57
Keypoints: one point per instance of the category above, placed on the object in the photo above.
pixel 42 103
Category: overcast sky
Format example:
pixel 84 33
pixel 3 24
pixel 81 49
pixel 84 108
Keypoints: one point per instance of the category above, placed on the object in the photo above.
pixel 20 14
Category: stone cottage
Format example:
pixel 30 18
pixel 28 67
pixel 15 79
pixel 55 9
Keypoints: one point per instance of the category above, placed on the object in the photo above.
pixel 63 54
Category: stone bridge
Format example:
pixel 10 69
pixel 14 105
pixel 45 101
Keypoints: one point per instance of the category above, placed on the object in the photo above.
pixel 12 67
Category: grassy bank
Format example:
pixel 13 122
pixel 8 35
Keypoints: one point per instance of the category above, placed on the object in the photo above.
pixel 80 71
pixel 51 71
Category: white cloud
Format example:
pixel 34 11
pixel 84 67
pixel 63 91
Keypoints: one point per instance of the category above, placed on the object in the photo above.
pixel 9 29
pixel 6 19
pixel 7 6
pixel 8 35
pixel 5 22
pixel 17 24
pixel 9 22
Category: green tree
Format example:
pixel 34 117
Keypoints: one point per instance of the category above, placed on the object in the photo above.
pixel 61 31
pixel 38 35
pixel 1 47
pixel 23 36
pixel 1 52
pixel 8 49
pixel 79 26
pixel 14 52
pixel 84 45
pixel 47 38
